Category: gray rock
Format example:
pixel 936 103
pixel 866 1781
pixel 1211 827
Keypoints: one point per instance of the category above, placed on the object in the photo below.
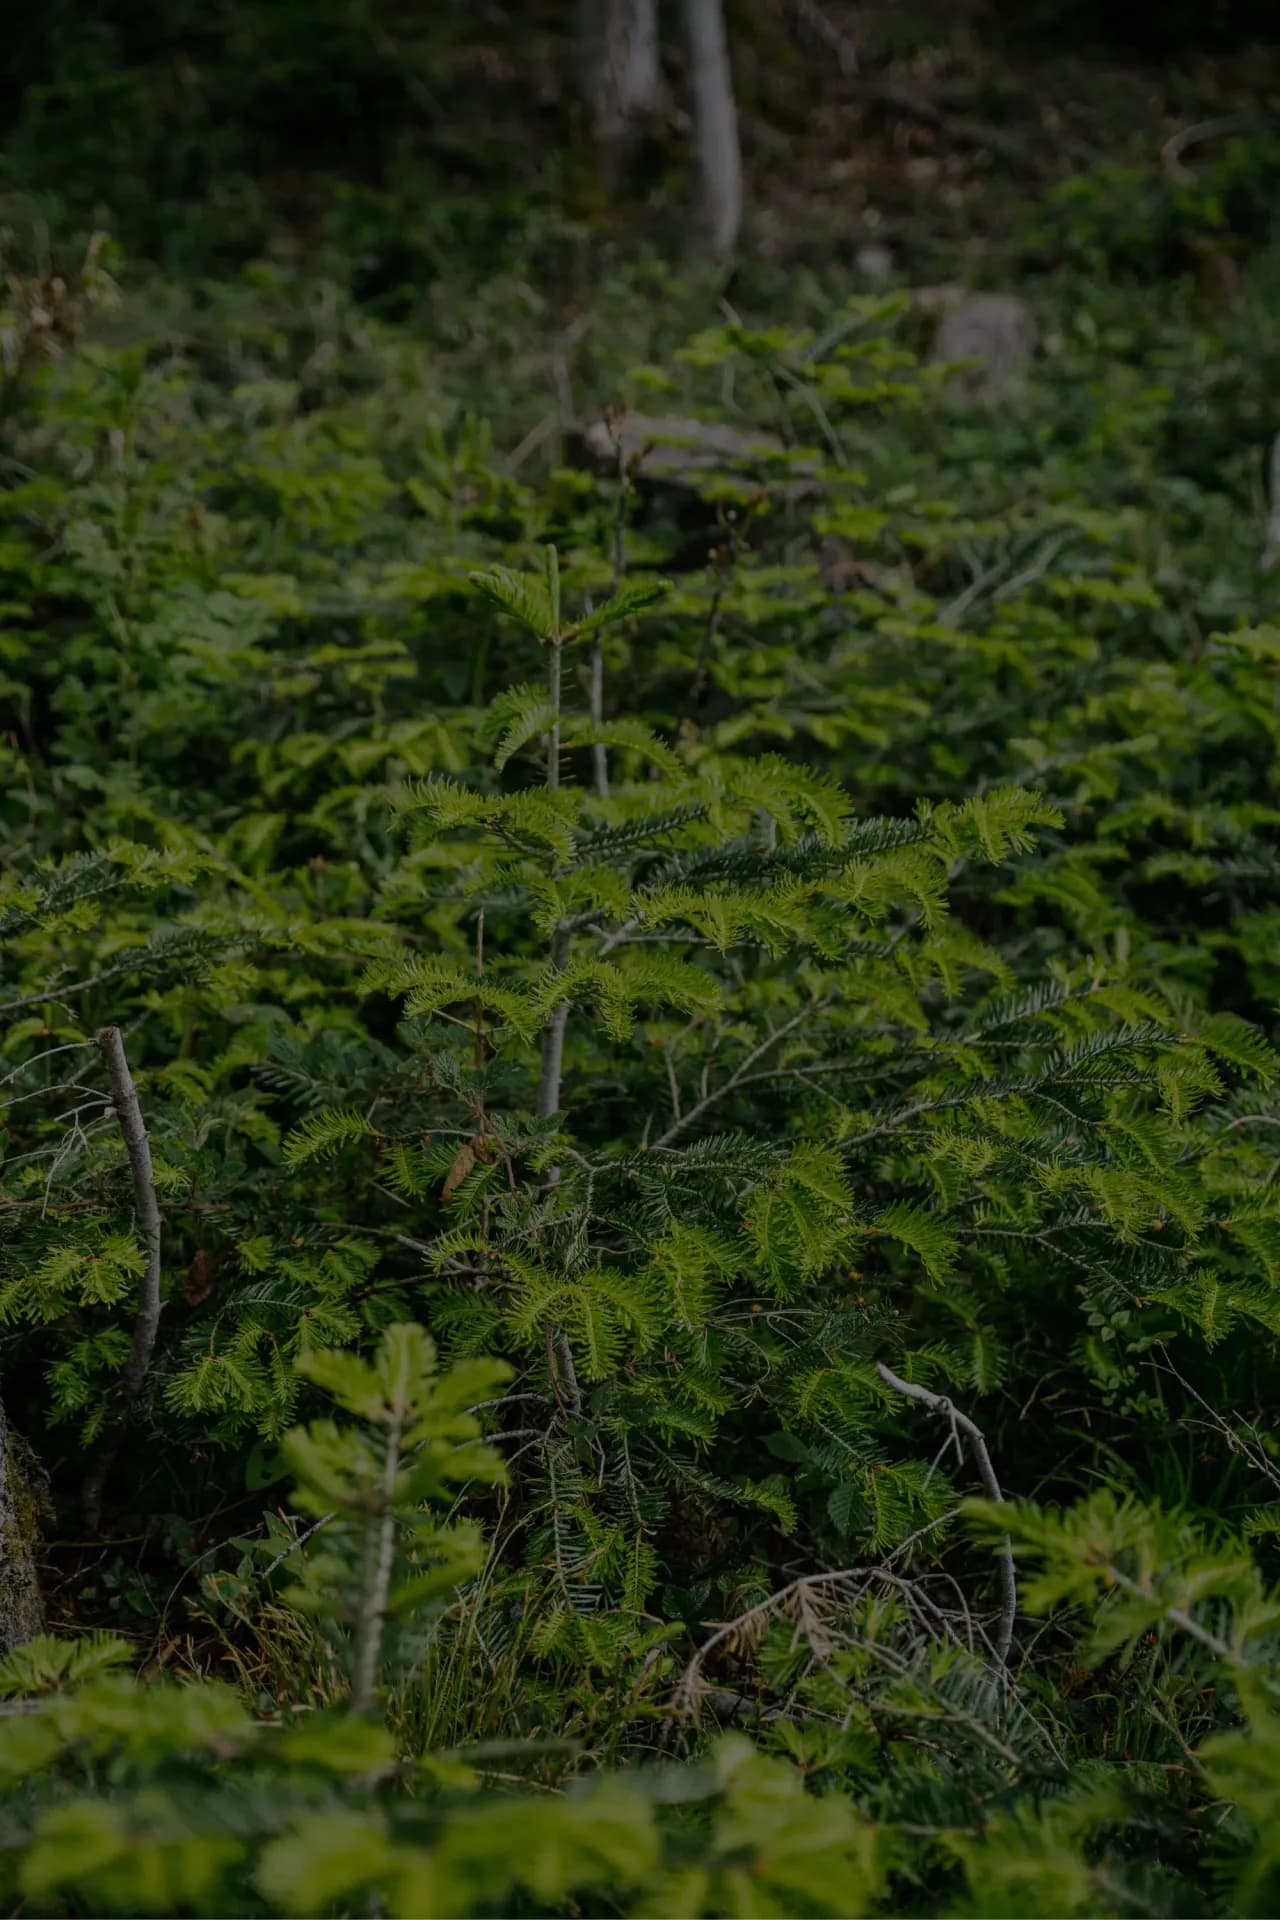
pixel 995 331
pixel 874 262
pixel 678 452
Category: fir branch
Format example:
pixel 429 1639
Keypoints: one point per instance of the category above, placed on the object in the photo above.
pixel 36 1059
pixel 183 946
pixel 57 995
pixel 613 842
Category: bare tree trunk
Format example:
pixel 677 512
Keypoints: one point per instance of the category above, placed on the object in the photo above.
pixel 715 126
pixel 1271 551
pixel 619 74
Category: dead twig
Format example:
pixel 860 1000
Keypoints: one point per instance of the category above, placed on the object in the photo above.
pixel 944 1409
pixel 558 364
pixel 1178 143
pixel 146 1325
pixel 1244 1440
pixel 681 1121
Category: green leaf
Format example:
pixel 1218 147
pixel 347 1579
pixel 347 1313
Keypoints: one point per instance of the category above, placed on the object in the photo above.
pixel 630 599
pixel 522 595
pixel 321 1135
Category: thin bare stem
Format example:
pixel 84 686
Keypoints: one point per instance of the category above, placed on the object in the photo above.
pixel 1247 1443
pixel 706 645
pixel 549 1078
pixel 595 701
pixel 600 754
pixel 553 731
pixel 683 1121
pixel 551 1065
pixel 146 1325
pixel 373 1603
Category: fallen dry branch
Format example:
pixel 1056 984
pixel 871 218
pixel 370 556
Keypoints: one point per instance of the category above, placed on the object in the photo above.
pixel 961 1424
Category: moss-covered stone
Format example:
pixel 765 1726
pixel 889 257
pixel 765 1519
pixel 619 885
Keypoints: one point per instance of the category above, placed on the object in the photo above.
pixel 21 1505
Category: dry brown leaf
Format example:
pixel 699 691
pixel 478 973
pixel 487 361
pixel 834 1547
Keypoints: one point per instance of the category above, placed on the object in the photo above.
pixel 463 1161
pixel 200 1275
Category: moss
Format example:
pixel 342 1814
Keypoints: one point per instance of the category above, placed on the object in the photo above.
pixel 22 1506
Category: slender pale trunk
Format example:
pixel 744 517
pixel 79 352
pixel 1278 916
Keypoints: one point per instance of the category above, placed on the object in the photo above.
pixel 551 1066
pixel 1271 551
pixel 620 76
pixel 549 1078
pixel 595 696
pixel 146 1323
pixel 379 1558
pixel 715 126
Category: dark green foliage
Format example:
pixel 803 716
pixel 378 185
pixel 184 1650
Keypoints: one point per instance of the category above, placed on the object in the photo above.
pixel 676 949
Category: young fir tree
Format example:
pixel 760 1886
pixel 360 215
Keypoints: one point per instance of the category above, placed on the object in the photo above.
pixel 718 1117
pixel 948 1147
pixel 730 1110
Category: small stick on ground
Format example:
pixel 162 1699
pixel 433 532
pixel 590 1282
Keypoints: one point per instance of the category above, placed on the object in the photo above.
pixel 124 1098
pixel 938 1404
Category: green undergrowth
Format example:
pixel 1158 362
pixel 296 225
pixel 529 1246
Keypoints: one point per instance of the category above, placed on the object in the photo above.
pixel 707 955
